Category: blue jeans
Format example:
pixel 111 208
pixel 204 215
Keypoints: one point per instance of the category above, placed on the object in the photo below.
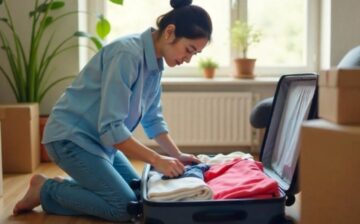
pixel 97 188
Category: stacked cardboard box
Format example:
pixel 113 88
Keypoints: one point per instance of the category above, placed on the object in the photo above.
pixel 330 152
pixel 20 137
pixel 339 96
pixel 329 169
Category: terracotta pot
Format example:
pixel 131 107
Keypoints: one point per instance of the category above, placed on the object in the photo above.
pixel 43 154
pixel 245 68
pixel 209 73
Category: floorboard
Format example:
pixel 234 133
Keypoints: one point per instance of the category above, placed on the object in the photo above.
pixel 15 186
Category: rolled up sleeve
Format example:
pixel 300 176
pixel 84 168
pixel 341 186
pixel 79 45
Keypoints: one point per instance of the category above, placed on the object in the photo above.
pixel 153 120
pixel 116 84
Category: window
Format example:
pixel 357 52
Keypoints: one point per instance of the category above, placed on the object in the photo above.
pixel 287 43
pixel 287 34
pixel 126 23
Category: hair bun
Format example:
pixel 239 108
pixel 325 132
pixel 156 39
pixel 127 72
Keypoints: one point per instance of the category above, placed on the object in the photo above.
pixel 180 3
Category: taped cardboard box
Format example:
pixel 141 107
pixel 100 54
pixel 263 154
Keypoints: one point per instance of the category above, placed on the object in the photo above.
pixel 339 95
pixel 329 170
pixel 20 137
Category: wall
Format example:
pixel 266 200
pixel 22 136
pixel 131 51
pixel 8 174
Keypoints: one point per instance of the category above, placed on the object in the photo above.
pixel 340 30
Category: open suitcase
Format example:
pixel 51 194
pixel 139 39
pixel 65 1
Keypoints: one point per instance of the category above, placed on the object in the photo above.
pixel 294 101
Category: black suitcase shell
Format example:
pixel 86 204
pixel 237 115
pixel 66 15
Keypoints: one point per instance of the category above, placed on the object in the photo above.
pixel 247 210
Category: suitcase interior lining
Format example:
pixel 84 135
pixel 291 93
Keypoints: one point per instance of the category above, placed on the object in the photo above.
pixel 280 149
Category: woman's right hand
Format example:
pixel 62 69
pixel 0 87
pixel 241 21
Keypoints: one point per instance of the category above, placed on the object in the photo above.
pixel 168 166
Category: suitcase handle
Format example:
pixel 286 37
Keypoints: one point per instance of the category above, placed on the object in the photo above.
pixel 219 216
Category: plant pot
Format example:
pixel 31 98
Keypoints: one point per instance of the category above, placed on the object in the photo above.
pixel 43 154
pixel 244 68
pixel 209 73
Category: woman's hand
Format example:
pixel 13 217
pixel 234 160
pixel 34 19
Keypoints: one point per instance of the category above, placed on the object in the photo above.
pixel 168 166
pixel 186 158
pixel 168 145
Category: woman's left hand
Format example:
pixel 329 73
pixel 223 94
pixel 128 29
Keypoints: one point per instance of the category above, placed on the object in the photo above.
pixel 186 158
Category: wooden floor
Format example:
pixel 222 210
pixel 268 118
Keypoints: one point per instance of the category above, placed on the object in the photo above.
pixel 15 186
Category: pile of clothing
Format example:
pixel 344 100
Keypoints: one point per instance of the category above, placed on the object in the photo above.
pixel 231 176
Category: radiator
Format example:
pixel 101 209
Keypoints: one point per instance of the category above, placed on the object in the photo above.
pixel 206 118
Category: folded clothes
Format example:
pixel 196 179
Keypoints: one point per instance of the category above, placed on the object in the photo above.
pixel 221 158
pixel 181 189
pixel 240 179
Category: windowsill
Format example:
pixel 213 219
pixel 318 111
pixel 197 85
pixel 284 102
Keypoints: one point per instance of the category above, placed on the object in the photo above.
pixel 168 81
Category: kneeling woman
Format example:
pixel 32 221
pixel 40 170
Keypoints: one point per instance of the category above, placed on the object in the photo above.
pixel 88 133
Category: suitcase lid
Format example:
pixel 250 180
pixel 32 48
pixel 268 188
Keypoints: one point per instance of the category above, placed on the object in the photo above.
pixel 295 100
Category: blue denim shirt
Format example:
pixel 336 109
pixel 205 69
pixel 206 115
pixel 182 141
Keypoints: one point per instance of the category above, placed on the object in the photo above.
pixel 117 89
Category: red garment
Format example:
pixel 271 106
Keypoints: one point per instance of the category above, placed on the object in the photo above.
pixel 240 178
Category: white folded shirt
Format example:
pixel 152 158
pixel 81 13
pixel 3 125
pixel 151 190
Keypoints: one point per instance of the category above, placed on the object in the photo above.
pixel 178 189
pixel 221 158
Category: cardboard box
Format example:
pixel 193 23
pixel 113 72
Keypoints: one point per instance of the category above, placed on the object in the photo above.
pixel 1 171
pixel 339 95
pixel 20 137
pixel 329 173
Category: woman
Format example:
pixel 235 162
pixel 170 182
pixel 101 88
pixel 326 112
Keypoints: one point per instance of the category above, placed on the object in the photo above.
pixel 88 133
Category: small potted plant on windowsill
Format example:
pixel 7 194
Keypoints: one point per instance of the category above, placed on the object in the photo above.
pixel 243 36
pixel 208 66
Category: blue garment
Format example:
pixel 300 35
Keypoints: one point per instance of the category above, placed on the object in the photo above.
pixel 97 188
pixel 192 171
pixel 119 87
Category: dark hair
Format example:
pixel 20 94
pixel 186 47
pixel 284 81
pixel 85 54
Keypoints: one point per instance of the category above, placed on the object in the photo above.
pixel 191 21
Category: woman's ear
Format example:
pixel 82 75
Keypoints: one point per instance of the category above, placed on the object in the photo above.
pixel 169 33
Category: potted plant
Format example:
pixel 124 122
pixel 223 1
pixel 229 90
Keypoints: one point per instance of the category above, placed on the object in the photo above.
pixel 208 66
pixel 243 36
pixel 29 68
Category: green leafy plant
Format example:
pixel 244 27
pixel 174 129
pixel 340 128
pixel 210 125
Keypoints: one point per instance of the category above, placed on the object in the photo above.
pixel 243 36
pixel 205 63
pixel 103 28
pixel 29 70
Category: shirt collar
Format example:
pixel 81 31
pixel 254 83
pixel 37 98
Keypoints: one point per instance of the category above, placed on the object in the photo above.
pixel 150 56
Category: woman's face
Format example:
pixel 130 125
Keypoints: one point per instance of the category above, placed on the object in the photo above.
pixel 176 51
pixel 182 50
